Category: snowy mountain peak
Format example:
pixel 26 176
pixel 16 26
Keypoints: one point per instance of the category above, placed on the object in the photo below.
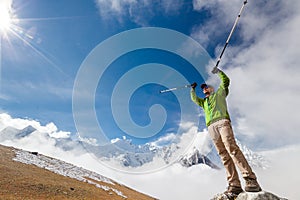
pixel 9 133
pixel 26 131
pixel 194 158
pixel 122 152
pixel 9 130
pixel 212 159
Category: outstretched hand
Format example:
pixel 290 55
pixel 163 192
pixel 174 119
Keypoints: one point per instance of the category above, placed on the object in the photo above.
pixel 215 70
pixel 194 85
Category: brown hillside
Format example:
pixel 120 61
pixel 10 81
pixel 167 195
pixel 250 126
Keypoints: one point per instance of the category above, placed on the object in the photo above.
pixel 23 181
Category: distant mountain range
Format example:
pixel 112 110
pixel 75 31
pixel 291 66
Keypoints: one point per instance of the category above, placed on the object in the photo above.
pixel 127 154
pixel 11 133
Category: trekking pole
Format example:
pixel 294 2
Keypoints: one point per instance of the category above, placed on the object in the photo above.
pixel 219 59
pixel 231 32
pixel 175 88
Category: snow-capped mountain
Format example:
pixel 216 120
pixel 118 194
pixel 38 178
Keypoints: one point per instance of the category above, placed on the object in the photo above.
pixel 195 158
pixel 129 154
pixel 254 159
pixel 126 154
pixel 213 160
pixel 10 133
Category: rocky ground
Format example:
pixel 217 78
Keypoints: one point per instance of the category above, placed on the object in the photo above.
pixel 25 181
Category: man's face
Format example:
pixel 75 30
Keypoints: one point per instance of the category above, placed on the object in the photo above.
pixel 208 91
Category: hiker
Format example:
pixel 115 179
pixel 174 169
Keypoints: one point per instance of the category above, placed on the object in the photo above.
pixel 220 130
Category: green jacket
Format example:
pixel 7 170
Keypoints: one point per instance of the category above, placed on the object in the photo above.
pixel 215 106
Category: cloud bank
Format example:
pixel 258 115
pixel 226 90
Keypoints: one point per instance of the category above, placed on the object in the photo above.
pixel 7 121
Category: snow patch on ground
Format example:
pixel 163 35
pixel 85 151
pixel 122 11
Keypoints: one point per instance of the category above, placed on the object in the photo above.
pixel 65 169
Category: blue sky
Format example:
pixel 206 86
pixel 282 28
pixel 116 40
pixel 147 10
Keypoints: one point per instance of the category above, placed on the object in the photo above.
pixel 48 42
pixel 45 47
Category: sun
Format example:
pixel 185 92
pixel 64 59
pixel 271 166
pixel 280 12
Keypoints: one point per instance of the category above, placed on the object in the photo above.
pixel 5 16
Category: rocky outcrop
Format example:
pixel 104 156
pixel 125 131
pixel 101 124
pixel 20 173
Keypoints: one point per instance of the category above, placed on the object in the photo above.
pixel 258 196
pixel 250 196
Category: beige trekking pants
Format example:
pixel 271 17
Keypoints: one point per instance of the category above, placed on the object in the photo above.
pixel 231 155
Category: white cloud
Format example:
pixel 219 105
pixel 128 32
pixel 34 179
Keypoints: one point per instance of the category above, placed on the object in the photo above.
pixel 257 17
pixel 115 6
pixel 200 182
pixel 5 97
pixel 189 138
pixel 91 141
pixel 165 140
pixel 284 164
pixel 138 11
pixel 115 140
pixel 7 121
pixel 25 89
pixel 223 15
pixel 265 82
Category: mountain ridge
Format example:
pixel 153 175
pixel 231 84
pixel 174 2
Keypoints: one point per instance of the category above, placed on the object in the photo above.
pixel 128 154
pixel 21 178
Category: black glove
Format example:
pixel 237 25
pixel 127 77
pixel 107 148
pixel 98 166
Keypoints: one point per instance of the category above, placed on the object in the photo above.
pixel 194 85
pixel 215 70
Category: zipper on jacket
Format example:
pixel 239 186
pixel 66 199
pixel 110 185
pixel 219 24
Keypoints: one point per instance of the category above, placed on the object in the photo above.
pixel 210 112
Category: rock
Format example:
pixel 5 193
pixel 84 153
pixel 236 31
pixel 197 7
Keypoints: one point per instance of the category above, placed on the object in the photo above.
pixel 258 196
pixel 220 197
pixel 250 196
pixel 35 153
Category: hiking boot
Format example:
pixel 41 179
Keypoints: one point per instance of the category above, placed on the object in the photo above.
pixel 252 185
pixel 233 191
pixel 229 195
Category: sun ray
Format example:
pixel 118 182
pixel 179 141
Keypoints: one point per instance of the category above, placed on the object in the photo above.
pixel 9 27
pixel 5 22
pixel 5 16
pixel 17 32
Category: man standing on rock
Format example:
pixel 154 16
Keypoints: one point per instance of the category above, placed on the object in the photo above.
pixel 220 130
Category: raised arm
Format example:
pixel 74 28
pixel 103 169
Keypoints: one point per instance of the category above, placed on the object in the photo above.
pixel 197 100
pixel 225 81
